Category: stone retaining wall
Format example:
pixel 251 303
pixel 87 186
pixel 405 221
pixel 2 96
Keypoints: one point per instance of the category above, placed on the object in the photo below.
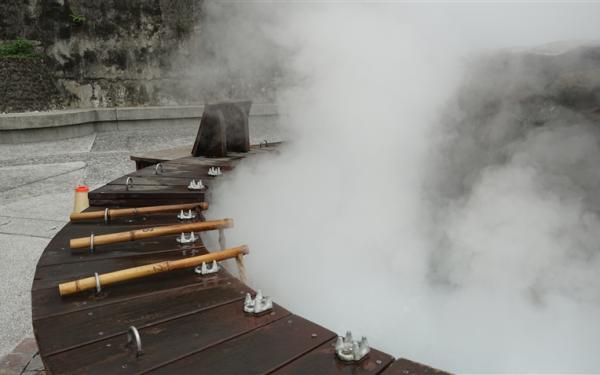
pixel 26 84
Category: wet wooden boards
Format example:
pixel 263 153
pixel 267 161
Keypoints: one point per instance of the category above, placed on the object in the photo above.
pixel 188 323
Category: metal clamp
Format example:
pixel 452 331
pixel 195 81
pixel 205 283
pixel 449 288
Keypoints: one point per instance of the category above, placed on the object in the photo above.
pixel 349 350
pixel 183 239
pixel 128 183
pixel 92 243
pixel 98 286
pixel 196 185
pixel 214 171
pixel 186 215
pixel 158 167
pixel 258 305
pixel 133 334
pixel 106 217
pixel 205 270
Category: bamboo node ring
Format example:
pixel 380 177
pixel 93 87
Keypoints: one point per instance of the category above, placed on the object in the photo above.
pixel 98 286
pixel 133 333
pixel 92 243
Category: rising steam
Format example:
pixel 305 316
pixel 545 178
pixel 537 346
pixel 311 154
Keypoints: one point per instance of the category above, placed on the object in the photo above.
pixel 441 202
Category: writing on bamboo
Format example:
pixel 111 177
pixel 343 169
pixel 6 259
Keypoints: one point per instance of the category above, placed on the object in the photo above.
pixel 104 239
pixel 89 283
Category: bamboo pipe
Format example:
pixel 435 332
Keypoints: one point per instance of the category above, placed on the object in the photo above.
pixel 88 283
pixel 133 235
pixel 124 212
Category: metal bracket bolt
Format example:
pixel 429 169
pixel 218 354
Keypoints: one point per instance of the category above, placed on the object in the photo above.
pixel 91 242
pixel 98 286
pixel 205 270
pixel 195 185
pixel 183 239
pixel 128 183
pixel 186 215
pixel 133 334
pixel 349 350
pixel 214 171
pixel 257 305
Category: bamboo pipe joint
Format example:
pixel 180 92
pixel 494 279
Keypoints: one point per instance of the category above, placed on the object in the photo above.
pixel 134 235
pixel 105 279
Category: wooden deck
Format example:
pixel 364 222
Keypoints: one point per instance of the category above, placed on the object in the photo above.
pixel 188 323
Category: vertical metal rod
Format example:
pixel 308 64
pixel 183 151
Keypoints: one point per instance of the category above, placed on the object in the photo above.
pixel 239 260
pixel 222 239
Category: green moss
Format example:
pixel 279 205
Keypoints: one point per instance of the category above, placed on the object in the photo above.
pixel 77 18
pixel 17 48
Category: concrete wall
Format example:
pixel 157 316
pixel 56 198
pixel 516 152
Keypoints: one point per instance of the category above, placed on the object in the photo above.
pixel 63 124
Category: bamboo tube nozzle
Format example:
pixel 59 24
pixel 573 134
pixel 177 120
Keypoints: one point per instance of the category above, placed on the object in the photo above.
pixel 84 242
pixel 88 283
pixel 81 198
pixel 124 212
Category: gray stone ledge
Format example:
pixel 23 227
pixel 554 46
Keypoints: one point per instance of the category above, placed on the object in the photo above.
pixel 62 124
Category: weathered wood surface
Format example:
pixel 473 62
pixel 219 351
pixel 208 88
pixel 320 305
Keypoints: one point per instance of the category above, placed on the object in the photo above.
pixel 258 352
pixel 322 360
pixel 91 325
pixel 188 323
pixel 149 158
pixel 160 180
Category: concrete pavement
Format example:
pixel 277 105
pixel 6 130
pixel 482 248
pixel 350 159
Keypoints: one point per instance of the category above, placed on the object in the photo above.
pixel 36 197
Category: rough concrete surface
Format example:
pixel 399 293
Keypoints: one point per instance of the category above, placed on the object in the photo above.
pixel 36 196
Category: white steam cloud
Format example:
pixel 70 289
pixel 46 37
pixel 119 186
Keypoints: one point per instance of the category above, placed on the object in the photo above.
pixel 420 205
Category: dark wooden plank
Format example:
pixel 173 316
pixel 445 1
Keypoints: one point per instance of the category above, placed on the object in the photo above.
pixel 58 250
pixel 128 202
pixel 103 322
pixel 159 180
pixel 323 360
pixel 159 156
pixel 257 352
pixel 50 276
pixel 172 173
pixel 405 367
pixel 163 155
pixel 162 343
pixel 224 162
pixel 150 246
pixel 48 302
pixel 173 170
pixel 157 219
pixel 60 241
pixel 145 192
